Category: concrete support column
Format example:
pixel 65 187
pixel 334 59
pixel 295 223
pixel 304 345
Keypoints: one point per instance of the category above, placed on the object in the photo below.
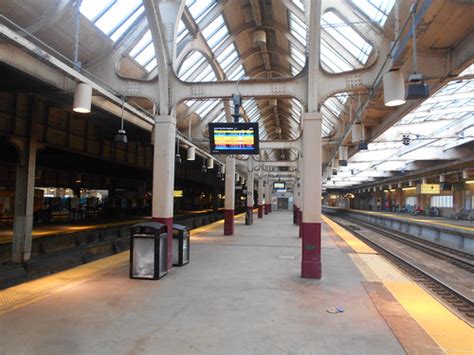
pixel 269 195
pixel 163 175
pixel 295 202
pixel 250 199
pixel 311 225
pixel 458 196
pixel 229 195
pixel 265 194
pixel 300 200
pixel 24 200
pixel 260 196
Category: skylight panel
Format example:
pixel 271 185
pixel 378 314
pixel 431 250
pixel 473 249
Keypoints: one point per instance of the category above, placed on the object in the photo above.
pixel 220 35
pixel 376 10
pixel 346 36
pixel 182 31
pixel 297 27
pixel 127 24
pixel 297 55
pixel 93 9
pixel 152 65
pixel 199 8
pixel 299 4
pixel 144 41
pixel 213 27
pixel 146 55
pixel 239 73
pixel 116 15
pixel 332 60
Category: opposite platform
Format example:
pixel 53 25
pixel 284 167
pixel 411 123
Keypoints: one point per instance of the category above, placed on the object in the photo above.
pixel 240 294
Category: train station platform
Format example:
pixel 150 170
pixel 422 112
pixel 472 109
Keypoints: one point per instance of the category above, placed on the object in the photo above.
pixel 241 294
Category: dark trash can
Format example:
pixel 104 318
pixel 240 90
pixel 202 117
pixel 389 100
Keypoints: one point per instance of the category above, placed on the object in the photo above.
pixel 148 251
pixel 181 245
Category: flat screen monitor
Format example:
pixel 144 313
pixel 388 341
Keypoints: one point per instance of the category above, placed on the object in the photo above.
pixel 279 186
pixel 233 138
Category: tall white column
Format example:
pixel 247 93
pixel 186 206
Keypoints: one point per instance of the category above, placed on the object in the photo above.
pixel 229 202
pixel 260 195
pixel 24 200
pixel 311 224
pixel 163 175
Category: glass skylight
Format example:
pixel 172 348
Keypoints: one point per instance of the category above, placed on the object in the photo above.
pixel 346 37
pixel 376 10
pixel 115 18
pixel 112 16
pixel 442 122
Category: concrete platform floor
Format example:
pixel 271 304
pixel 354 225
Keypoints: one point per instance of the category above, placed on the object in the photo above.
pixel 239 295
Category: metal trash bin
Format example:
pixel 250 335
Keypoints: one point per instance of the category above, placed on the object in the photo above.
pixel 148 251
pixel 181 245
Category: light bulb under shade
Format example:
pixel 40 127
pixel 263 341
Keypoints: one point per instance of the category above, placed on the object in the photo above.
pixel 191 153
pixel 393 88
pixel 82 98
pixel 210 163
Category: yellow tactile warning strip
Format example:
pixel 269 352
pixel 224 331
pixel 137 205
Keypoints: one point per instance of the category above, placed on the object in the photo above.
pixel 357 245
pixel 451 333
pixel 29 292
pixel 197 231
pixel 32 291
pixel 6 237
pixel 418 220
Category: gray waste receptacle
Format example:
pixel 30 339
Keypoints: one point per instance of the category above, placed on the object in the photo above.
pixel 148 251
pixel 181 243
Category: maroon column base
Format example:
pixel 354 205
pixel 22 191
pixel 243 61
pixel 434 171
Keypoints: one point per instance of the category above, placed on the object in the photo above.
pixel 249 216
pixel 228 222
pixel 269 208
pixel 169 224
pixel 260 211
pixel 265 208
pixel 311 253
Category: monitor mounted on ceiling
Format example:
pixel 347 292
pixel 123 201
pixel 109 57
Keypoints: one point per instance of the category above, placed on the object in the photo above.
pixel 233 138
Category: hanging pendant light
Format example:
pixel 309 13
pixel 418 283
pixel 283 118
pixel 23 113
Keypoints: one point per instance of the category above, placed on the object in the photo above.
pixel 82 98
pixel 210 163
pixel 121 136
pixel 203 167
pixel 178 156
pixel 191 153
pixel 393 88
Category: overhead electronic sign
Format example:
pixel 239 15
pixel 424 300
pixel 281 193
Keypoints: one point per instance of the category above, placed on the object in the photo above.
pixel 429 189
pixel 233 138
pixel 279 186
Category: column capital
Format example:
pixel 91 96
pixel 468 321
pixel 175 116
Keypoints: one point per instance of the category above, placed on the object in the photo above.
pixel 165 119
pixel 310 116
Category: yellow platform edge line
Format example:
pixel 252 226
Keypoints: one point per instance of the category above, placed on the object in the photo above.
pixel 359 246
pixel 426 221
pixel 32 291
pixel 450 332
pixel 29 292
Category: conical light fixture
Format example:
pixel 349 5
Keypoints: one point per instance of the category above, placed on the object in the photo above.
pixel 121 136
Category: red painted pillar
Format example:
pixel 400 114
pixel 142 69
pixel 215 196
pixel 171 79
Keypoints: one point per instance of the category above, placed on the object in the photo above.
pixel 265 208
pixel 229 196
pixel 260 196
pixel 311 221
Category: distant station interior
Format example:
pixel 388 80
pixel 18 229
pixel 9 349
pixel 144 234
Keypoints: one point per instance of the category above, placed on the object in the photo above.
pixel 291 176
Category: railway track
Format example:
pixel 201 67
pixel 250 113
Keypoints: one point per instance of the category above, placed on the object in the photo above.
pixel 462 303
